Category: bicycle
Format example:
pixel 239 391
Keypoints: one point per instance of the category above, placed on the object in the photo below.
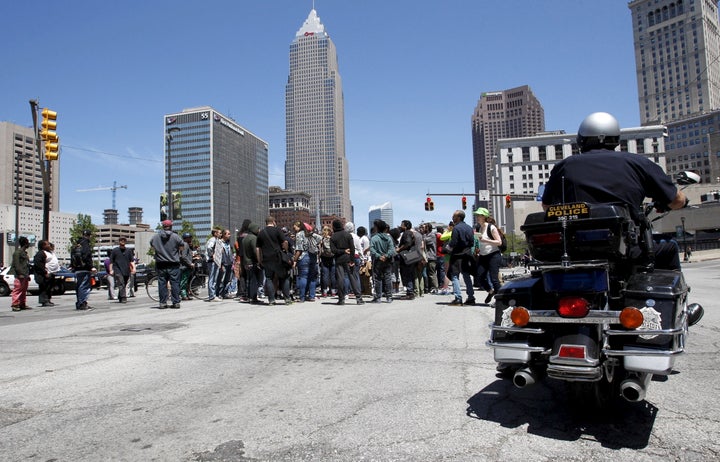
pixel 198 281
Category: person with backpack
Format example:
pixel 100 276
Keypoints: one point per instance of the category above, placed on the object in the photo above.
pixel 490 253
pixel 82 264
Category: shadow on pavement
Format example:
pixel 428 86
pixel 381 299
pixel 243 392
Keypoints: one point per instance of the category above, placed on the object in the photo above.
pixel 548 412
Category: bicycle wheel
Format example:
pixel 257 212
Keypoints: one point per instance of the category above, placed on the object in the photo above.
pixel 197 282
pixel 151 286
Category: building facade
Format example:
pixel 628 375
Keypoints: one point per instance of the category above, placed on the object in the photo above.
pixel 523 166
pixel 694 144
pixel 382 212
pixel 315 122
pixel 677 52
pixel 219 168
pixel 21 179
pixel 31 226
pixel 509 113
pixel 287 207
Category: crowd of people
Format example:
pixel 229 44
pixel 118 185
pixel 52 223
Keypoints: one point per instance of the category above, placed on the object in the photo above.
pixel 270 265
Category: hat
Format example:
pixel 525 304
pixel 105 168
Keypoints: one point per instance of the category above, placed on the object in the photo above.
pixel 86 232
pixel 482 211
pixel 308 228
pixel 166 223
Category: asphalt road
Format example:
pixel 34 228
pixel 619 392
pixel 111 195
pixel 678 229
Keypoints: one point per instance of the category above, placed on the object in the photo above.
pixel 404 381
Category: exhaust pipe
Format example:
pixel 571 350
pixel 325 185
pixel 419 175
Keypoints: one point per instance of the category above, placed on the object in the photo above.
pixel 524 378
pixel 634 389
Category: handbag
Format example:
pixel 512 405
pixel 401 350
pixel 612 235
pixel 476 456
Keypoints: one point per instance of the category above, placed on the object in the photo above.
pixel 411 256
pixel 286 258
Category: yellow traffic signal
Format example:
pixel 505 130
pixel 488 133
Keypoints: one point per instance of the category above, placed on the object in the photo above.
pixel 51 150
pixel 48 133
pixel 49 125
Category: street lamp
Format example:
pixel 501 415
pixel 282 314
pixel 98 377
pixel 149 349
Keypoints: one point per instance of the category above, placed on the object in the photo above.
pixel 685 255
pixel 228 202
pixel 168 139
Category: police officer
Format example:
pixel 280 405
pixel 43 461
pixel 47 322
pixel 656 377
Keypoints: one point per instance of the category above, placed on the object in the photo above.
pixel 601 175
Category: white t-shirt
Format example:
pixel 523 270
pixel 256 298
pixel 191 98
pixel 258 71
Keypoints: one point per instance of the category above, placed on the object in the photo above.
pixel 51 262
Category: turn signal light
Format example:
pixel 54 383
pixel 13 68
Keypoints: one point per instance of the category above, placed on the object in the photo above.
pixel 573 307
pixel 631 317
pixel 520 316
pixel 546 239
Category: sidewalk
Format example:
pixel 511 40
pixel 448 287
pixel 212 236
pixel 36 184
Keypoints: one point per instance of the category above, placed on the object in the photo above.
pixel 703 255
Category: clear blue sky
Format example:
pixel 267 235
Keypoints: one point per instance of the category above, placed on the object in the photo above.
pixel 412 72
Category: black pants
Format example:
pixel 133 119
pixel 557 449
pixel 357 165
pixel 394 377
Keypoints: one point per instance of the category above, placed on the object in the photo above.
pixel 45 284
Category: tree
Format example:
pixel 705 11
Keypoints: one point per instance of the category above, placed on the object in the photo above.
pixel 82 223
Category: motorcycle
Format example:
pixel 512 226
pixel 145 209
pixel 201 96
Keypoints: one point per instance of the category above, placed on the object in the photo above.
pixel 596 313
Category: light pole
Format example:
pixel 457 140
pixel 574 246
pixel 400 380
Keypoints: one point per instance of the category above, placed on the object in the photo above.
pixel 168 139
pixel 18 157
pixel 227 183
pixel 685 256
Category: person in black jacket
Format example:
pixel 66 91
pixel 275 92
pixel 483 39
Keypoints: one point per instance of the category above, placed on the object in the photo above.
pixel 342 246
pixel 84 270
pixel 121 260
pixel 43 277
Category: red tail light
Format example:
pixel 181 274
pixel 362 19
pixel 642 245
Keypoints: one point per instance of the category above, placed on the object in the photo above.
pixel 572 351
pixel 573 307
pixel 546 239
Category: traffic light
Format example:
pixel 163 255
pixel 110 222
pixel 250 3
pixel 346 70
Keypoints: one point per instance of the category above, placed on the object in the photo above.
pixel 464 203
pixel 48 133
pixel 176 205
pixel 432 206
pixel 508 201
pixel 427 204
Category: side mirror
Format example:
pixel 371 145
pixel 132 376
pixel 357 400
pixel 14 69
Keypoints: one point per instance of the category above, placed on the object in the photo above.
pixel 687 178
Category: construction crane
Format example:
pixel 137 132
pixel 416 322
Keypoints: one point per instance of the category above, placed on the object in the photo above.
pixel 112 188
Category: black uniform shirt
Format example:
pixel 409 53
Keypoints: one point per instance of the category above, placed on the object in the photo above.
pixel 608 177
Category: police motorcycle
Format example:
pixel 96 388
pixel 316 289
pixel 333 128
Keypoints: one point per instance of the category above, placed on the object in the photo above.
pixel 591 315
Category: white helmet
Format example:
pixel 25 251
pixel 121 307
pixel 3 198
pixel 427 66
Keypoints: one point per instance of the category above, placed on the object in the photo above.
pixel 599 130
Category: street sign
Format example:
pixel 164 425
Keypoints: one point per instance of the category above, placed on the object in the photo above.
pixel 484 195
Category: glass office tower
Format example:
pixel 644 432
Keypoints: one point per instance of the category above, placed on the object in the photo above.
pixel 219 168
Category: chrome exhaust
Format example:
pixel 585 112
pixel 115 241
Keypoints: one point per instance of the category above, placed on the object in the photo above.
pixel 524 378
pixel 634 389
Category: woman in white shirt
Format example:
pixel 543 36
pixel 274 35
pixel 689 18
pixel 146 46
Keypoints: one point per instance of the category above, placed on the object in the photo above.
pixel 489 255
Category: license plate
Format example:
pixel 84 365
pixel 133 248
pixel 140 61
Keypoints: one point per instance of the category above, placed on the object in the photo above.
pixel 561 212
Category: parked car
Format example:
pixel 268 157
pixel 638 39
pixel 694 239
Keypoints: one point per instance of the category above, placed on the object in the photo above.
pixel 62 278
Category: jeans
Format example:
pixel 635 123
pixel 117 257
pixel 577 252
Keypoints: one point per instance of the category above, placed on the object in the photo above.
pixel 307 276
pixel 213 271
pixel 121 283
pixel 382 276
pixel 327 266
pixel 82 292
pixel 341 270
pixel 171 274
pixel 489 271
pixel 225 277
pixel 456 268
pixel 254 276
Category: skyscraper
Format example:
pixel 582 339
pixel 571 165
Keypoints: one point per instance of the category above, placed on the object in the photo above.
pixel 382 212
pixel 315 122
pixel 512 113
pixel 677 52
pixel 219 167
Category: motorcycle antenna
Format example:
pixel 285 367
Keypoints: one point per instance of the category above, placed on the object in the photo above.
pixel 565 259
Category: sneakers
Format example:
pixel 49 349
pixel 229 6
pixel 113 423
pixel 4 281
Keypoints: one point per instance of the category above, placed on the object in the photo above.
pixel 360 301
pixel 470 301
pixel 489 297
pixel 85 307
pixel 16 307
pixel 340 302
pixel 175 306
pixel 163 306
pixel 389 299
pixel 456 302
pixel 375 300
